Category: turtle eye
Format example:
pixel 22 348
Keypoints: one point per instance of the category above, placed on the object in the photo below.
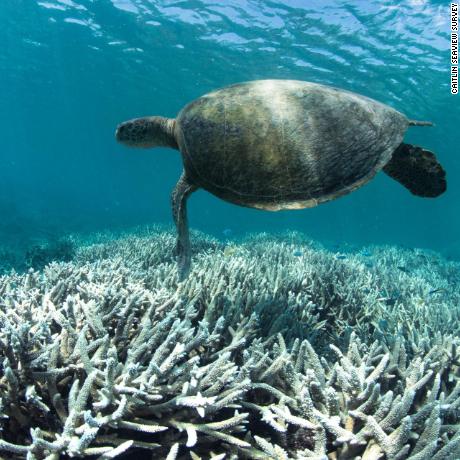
pixel 124 132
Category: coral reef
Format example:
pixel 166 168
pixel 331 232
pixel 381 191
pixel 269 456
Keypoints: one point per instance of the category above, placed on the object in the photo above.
pixel 9 259
pixel 36 254
pixel 275 349
pixel 57 249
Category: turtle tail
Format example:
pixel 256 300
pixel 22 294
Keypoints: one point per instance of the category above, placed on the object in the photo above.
pixel 418 170
pixel 420 123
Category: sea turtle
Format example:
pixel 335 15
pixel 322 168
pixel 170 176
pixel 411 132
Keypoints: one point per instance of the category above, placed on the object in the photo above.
pixel 283 144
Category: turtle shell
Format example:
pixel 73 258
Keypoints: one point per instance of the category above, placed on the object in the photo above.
pixel 284 144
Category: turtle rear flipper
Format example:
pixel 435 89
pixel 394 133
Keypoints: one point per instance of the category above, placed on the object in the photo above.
pixel 418 170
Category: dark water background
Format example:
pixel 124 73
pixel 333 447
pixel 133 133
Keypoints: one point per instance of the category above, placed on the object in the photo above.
pixel 70 70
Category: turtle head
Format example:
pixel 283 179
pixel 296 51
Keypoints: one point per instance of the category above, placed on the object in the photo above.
pixel 147 132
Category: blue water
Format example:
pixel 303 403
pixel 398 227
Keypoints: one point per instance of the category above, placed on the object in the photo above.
pixel 71 70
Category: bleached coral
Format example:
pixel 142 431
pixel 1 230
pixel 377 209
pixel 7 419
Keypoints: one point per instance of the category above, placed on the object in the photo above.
pixel 246 358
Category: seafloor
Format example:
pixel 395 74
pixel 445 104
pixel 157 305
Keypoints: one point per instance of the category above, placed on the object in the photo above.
pixel 273 348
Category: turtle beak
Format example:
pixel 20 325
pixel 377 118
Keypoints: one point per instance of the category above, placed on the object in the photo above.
pixel 122 133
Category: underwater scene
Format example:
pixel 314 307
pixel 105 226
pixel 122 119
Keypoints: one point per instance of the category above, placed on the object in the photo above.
pixel 229 230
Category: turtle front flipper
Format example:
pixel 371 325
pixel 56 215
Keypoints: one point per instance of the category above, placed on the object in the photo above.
pixel 418 170
pixel 179 197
